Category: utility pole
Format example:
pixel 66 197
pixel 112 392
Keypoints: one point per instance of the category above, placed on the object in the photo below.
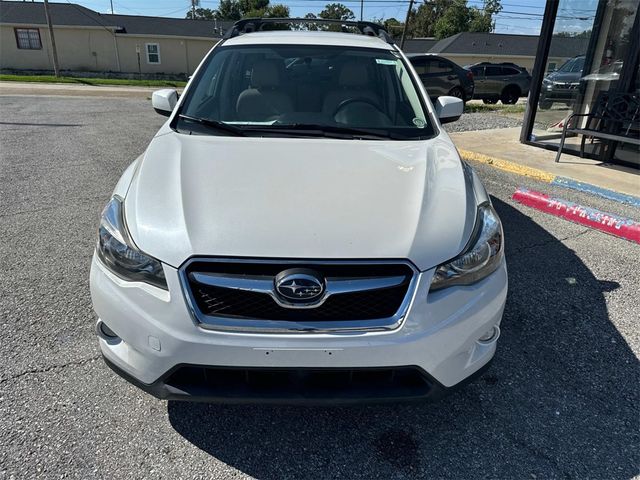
pixel 361 9
pixel 193 9
pixel 56 68
pixel 111 7
pixel 406 24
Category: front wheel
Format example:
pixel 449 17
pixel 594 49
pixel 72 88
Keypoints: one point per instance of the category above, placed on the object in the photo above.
pixel 457 92
pixel 545 104
pixel 510 96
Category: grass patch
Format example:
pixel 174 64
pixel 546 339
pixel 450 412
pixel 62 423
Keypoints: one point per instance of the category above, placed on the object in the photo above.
pixel 91 81
pixel 496 108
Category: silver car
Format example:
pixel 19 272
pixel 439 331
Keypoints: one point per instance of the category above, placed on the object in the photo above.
pixel 506 82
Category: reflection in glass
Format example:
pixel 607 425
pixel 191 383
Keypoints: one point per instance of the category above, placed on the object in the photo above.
pixel 595 38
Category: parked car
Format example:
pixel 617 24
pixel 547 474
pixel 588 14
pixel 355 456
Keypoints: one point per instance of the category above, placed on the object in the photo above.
pixel 264 248
pixel 441 76
pixel 562 85
pixel 506 82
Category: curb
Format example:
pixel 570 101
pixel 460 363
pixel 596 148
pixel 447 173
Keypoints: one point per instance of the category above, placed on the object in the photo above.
pixel 589 217
pixel 551 178
pixel 508 166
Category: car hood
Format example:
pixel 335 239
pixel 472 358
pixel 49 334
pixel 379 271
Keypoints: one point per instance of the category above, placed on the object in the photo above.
pixel 569 77
pixel 300 198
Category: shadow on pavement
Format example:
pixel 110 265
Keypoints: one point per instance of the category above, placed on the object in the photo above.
pixel 559 401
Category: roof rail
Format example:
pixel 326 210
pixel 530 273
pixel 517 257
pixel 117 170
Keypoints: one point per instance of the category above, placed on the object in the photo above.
pixel 249 25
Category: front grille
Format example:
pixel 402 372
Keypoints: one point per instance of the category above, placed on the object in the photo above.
pixel 232 303
pixel 326 383
pixel 368 305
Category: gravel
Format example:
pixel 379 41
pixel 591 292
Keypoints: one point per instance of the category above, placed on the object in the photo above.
pixel 481 121
pixel 560 401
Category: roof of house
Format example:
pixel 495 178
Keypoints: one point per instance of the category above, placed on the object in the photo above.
pixel 419 45
pixel 477 43
pixel 61 14
pixel 139 25
pixel 69 14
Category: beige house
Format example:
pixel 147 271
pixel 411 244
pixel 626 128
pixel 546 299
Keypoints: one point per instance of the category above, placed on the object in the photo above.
pixel 90 41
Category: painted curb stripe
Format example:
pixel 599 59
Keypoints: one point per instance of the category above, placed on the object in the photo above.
pixel 589 217
pixel 599 191
pixel 548 177
pixel 508 166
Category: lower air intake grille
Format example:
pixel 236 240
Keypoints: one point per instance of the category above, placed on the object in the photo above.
pixel 397 382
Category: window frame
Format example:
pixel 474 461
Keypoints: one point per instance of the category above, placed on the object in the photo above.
pixel 146 50
pixel 28 30
pixel 479 71
pixel 510 71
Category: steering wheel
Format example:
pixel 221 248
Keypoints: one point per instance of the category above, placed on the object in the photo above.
pixel 349 101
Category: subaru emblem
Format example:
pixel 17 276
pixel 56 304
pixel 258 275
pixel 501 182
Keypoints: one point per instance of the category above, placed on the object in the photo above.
pixel 299 285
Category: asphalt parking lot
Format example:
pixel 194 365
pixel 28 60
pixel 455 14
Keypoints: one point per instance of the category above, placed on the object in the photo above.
pixel 562 399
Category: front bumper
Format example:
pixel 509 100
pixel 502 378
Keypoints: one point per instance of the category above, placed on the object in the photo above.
pixel 559 94
pixel 157 336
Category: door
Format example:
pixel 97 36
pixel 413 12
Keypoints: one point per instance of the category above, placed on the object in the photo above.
pixel 479 80
pixel 493 81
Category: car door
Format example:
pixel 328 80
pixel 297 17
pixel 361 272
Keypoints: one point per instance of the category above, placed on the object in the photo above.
pixel 479 80
pixel 493 80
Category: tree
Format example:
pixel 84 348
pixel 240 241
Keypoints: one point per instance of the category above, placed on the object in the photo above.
pixel 392 25
pixel 423 19
pixel 336 11
pixel 201 14
pixel 443 18
pixel 455 19
pixel 252 6
pixel 482 19
pixel 228 10
pixel 278 11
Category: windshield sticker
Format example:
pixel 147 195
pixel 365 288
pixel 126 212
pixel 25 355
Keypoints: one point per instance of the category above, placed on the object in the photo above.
pixel 418 122
pixel 384 61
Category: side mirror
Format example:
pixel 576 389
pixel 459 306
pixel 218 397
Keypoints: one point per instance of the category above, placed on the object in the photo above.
pixel 164 101
pixel 449 109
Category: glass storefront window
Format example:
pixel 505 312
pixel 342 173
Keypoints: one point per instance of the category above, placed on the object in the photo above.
pixel 591 41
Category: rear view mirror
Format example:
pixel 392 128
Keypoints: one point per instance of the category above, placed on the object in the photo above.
pixel 164 101
pixel 449 109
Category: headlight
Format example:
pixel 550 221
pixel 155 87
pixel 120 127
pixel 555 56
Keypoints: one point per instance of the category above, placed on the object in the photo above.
pixel 480 258
pixel 118 252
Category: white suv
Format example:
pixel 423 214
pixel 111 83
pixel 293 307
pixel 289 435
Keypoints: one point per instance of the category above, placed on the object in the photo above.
pixel 300 229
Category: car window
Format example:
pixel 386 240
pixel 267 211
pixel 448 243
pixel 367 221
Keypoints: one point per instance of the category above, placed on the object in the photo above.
pixel 277 86
pixel 419 65
pixel 438 66
pixel 578 65
pixel 493 71
pixel 477 71
pixel 510 71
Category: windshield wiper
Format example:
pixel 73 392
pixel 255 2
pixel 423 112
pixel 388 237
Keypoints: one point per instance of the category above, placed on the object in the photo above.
pixel 214 125
pixel 332 131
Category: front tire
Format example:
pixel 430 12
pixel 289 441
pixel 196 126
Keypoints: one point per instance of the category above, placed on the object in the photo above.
pixel 457 92
pixel 545 104
pixel 510 95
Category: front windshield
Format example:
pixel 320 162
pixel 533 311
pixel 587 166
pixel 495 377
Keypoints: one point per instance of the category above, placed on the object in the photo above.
pixel 282 89
pixel 574 65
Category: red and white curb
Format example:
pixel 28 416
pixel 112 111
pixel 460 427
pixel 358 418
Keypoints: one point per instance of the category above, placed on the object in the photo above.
pixel 589 217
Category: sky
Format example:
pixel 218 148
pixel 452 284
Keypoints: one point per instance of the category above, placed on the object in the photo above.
pixel 518 16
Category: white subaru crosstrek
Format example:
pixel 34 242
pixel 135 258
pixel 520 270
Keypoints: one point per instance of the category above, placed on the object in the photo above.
pixel 300 229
